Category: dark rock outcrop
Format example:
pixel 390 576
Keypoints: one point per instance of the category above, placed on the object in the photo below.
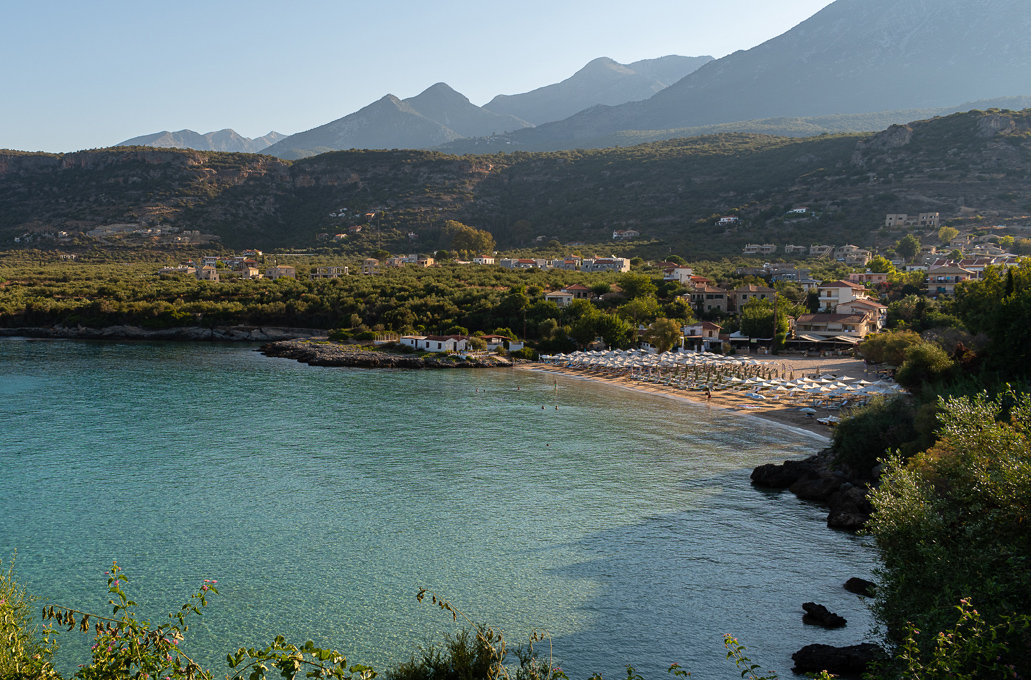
pixel 860 586
pixel 817 479
pixel 818 615
pixel 850 507
pixel 323 353
pixel 838 660
pixel 782 476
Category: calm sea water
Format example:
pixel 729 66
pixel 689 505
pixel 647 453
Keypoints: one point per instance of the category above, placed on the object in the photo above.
pixel 321 499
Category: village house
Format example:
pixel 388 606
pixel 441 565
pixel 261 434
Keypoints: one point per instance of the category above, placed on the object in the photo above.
pixel 850 328
pixel 877 313
pixel 483 259
pixel 728 220
pixel 702 335
pixel 942 280
pixel 868 277
pixel 705 298
pixel 567 264
pixel 370 266
pixel 764 249
pixel 681 275
pixel 329 272
pixel 249 272
pixel 559 297
pixel 579 292
pixel 495 342
pixel 523 263
pixel 839 292
pixel 436 343
pixel 923 220
pixel 742 294
pixel 283 271
pixel 207 273
pixel 612 264
pixel 424 261
pixel 820 251
pixel 625 234
pixel 852 255
pixel 795 250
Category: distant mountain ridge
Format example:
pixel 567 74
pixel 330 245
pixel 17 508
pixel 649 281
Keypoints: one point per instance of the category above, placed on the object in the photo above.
pixel 221 140
pixel 601 81
pixel 854 56
pixel 780 127
pixel 436 116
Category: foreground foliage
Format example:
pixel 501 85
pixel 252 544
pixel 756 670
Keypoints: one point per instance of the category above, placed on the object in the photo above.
pixel 952 524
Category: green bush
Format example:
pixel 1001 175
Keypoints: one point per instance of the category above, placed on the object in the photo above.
pixel 952 523
pixel 924 363
pixel 340 335
pixel 871 431
pixel 525 353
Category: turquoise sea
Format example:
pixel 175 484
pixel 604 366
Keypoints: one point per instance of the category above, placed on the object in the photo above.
pixel 322 499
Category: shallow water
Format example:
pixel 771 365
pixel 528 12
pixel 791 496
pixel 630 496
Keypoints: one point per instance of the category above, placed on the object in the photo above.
pixel 323 498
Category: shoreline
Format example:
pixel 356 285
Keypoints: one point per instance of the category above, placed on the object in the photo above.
pixel 784 416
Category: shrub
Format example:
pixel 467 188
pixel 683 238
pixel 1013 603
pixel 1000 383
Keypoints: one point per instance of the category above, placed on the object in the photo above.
pixel 924 363
pixel 871 431
pixel 24 652
pixel 340 335
pixel 525 353
pixel 951 523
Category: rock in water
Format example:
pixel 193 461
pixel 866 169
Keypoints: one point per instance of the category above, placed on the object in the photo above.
pixel 860 586
pixel 838 660
pixel 818 615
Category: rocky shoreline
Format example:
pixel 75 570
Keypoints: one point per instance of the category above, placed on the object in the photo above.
pixel 320 352
pixel 186 333
pixel 816 479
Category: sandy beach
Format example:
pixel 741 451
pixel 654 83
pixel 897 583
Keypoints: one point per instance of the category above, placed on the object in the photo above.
pixel 772 410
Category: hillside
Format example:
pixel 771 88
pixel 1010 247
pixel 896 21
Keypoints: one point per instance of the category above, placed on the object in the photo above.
pixel 601 81
pixel 854 56
pixel 780 127
pixel 222 140
pixel 964 165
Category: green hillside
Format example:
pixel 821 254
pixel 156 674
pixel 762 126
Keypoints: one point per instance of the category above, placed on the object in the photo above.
pixel 965 166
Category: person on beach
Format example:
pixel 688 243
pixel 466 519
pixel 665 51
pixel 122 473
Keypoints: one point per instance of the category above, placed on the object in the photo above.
pixel 708 393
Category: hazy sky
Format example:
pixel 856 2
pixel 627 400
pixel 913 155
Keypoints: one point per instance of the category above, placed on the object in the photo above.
pixel 79 74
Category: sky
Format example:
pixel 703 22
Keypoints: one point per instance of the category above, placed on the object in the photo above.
pixel 78 75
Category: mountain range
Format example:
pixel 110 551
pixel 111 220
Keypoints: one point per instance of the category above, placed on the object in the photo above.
pixel 602 81
pixel 854 56
pixel 856 65
pixel 222 140
pixel 440 115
